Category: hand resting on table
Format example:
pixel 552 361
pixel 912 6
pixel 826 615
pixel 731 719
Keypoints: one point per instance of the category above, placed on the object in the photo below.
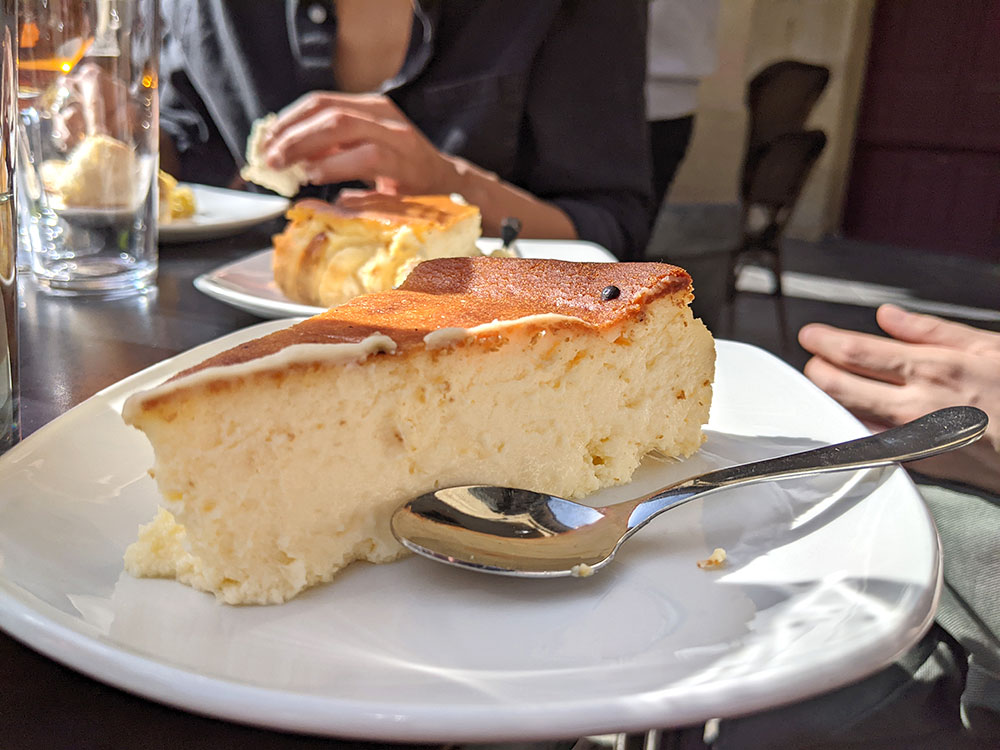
pixel 929 363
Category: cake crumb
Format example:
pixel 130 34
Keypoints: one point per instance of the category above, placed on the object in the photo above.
pixel 714 561
pixel 581 570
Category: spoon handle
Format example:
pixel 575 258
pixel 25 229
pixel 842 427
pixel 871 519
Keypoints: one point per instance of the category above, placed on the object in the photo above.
pixel 937 432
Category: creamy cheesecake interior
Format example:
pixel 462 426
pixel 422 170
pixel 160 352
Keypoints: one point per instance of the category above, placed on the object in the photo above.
pixel 281 461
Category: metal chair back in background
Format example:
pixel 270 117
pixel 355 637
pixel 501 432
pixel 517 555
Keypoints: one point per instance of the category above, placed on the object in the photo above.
pixel 778 158
pixel 779 100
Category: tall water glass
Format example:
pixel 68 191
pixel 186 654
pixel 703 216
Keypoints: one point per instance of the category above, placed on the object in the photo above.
pixel 9 386
pixel 87 94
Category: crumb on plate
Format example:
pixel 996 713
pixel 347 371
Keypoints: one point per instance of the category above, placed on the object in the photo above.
pixel 714 561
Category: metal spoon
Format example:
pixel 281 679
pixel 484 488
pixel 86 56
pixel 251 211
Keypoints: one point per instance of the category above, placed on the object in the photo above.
pixel 523 533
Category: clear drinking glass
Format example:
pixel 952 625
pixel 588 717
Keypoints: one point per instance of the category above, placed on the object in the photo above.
pixel 9 386
pixel 87 95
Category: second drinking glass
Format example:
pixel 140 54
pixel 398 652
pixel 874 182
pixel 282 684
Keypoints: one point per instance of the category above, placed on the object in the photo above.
pixel 87 94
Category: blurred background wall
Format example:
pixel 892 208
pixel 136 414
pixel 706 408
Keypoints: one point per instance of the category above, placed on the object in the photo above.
pixel 752 34
pixel 912 116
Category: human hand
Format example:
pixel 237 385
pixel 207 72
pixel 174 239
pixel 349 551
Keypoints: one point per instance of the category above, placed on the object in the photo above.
pixel 928 364
pixel 342 137
pixel 94 103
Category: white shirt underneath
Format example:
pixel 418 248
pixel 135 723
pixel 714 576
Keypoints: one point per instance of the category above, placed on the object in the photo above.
pixel 681 51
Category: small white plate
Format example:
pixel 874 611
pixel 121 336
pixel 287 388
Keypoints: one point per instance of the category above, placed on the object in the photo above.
pixel 828 579
pixel 248 283
pixel 220 213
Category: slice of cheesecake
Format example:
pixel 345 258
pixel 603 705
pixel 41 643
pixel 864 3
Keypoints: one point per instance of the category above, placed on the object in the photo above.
pixel 367 242
pixel 282 460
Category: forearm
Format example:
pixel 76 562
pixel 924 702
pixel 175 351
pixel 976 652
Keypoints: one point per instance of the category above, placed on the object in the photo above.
pixel 498 199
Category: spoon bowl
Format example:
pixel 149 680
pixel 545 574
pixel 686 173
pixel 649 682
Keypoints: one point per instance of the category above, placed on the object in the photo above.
pixel 518 532
pixel 509 530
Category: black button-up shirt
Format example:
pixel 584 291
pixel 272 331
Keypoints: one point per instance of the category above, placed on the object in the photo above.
pixel 546 93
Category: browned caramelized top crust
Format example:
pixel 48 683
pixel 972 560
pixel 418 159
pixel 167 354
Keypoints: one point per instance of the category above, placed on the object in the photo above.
pixel 467 292
pixel 417 211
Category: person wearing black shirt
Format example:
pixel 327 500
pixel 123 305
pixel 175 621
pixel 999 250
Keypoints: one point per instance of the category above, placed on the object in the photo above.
pixel 529 108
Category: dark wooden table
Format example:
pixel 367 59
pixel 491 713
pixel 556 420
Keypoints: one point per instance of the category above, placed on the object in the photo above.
pixel 70 349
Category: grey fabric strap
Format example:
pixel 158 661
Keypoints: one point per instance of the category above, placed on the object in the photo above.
pixel 969 525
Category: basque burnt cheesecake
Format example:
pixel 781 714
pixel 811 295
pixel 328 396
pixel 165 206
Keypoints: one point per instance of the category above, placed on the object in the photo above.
pixel 367 242
pixel 282 460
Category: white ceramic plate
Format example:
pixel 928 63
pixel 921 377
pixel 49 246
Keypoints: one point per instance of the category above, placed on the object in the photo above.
pixel 220 213
pixel 248 283
pixel 828 580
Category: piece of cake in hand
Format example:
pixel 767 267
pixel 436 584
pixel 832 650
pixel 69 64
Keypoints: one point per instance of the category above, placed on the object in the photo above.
pixel 282 460
pixel 367 242
pixel 285 181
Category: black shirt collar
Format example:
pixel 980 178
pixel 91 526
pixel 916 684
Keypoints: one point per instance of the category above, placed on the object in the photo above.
pixel 312 37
